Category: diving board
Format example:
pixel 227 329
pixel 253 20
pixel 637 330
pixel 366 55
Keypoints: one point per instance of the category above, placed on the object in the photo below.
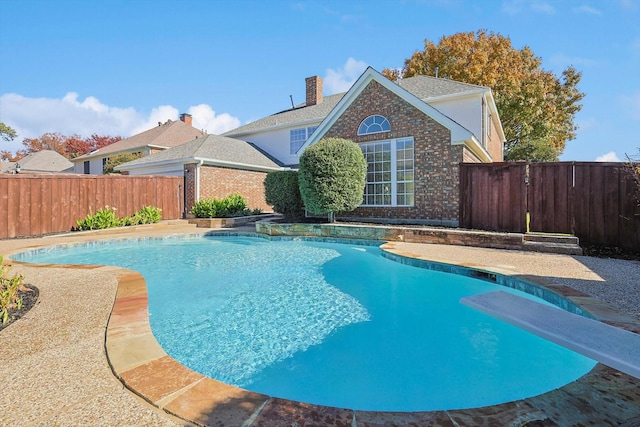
pixel 607 344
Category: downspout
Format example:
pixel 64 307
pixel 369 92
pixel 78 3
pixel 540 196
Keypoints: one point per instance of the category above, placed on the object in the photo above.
pixel 198 180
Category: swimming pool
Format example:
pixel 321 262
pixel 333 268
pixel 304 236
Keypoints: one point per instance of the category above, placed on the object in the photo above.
pixel 334 324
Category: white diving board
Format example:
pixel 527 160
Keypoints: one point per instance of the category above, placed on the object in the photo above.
pixel 607 344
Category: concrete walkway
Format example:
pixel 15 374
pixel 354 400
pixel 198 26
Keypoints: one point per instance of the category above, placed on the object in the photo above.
pixel 55 371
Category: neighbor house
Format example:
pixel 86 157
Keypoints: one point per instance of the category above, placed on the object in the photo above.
pixel 45 161
pixel 213 167
pixel 413 133
pixel 164 136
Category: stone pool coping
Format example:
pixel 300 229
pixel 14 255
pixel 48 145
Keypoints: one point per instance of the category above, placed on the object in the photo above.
pixel 602 396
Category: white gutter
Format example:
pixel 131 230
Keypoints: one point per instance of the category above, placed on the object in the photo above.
pixel 198 180
pixel 236 165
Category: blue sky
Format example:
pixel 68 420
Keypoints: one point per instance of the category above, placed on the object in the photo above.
pixel 117 67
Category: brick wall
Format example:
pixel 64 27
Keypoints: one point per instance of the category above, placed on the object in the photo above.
pixel 219 182
pixel 436 160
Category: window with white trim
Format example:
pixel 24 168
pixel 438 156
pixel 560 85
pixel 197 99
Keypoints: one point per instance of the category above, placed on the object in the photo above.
pixel 390 173
pixel 374 124
pixel 297 138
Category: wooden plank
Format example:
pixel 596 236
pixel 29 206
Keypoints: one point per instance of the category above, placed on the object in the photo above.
pixel 611 197
pixel 5 199
pixel 607 344
pixel 596 205
pixel 46 205
pixel 581 211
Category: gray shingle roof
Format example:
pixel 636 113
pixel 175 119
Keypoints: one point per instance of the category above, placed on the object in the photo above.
pixel 300 113
pixel 427 87
pixel 212 147
pixel 169 134
pixel 424 87
pixel 45 161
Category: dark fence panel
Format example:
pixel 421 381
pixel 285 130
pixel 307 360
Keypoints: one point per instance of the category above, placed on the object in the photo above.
pixel 493 196
pixel 549 197
pixel 593 201
pixel 32 205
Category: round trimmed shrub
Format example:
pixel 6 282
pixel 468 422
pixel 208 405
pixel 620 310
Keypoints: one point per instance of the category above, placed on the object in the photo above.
pixel 332 176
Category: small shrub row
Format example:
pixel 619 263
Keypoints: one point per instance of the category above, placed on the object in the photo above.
pixel 231 206
pixel 9 287
pixel 107 218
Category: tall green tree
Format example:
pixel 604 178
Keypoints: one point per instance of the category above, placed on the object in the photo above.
pixel 332 176
pixel 7 133
pixel 118 159
pixel 537 109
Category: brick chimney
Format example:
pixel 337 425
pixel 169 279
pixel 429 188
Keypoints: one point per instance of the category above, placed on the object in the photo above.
pixel 314 90
pixel 184 117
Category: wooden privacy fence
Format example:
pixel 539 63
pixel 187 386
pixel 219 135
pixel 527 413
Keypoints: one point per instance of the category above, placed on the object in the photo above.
pixel 32 205
pixel 593 201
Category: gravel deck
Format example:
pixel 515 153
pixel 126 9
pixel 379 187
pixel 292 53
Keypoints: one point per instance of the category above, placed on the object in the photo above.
pixel 53 365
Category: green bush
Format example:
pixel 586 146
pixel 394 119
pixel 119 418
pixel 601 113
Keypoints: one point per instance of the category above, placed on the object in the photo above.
pixel 118 159
pixel 146 215
pixel 9 287
pixel 232 205
pixel 106 218
pixel 103 218
pixel 282 192
pixel 332 176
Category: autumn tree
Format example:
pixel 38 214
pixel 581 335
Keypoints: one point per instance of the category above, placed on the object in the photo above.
pixel 68 146
pixel 537 109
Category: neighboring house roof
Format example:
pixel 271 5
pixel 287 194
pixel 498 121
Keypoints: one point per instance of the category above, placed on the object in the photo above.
pixel 45 161
pixel 459 134
pixel 212 150
pixel 424 87
pixel 165 135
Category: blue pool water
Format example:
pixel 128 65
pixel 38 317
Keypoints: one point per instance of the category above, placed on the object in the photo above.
pixel 331 324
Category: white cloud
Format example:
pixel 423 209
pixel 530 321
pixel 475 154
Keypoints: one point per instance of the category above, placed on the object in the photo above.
pixel 631 105
pixel 587 9
pixel 205 118
pixel 33 117
pixel 342 79
pixel 611 156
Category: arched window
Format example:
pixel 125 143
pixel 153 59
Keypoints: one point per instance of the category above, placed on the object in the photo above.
pixel 374 124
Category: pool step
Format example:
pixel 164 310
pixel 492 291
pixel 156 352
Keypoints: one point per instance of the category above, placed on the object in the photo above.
pixel 551 243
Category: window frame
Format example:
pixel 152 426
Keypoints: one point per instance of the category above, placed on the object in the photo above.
pixel 393 182
pixel 385 125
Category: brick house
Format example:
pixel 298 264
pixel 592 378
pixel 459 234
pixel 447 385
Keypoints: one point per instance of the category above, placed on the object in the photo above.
pixel 159 138
pixel 213 167
pixel 413 133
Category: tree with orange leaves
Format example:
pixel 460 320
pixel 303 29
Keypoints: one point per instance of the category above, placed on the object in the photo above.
pixel 537 109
